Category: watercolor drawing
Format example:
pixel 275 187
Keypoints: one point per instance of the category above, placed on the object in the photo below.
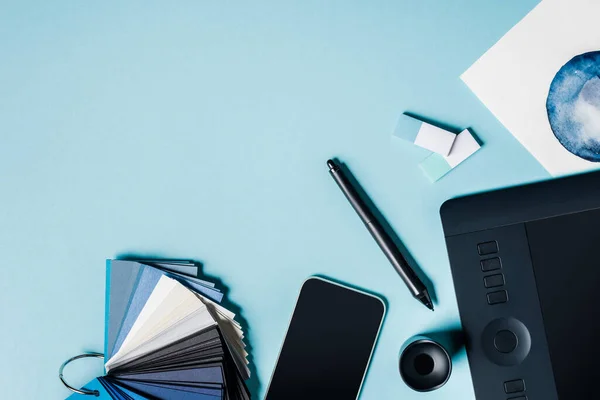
pixel 573 106
pixel 541 80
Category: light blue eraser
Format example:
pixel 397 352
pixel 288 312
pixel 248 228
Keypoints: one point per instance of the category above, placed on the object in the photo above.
pixel 435 166
pixel 407 128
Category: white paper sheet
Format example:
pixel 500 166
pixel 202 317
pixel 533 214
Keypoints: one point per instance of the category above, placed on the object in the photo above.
pixel 513 78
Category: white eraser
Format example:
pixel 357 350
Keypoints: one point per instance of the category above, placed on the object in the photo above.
pixel 435 139
pixel 436 166
pixel 464 146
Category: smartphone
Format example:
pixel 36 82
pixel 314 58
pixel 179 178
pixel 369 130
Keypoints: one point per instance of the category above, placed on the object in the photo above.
pixel 328 344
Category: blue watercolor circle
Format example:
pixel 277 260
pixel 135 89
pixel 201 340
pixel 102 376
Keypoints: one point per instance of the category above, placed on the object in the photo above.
pixel 573 106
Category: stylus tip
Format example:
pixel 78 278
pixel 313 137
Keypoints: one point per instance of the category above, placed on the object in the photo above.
pixel 426 300
pixel 331 164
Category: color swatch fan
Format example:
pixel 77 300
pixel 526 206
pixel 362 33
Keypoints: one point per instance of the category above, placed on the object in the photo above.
pixel 167 337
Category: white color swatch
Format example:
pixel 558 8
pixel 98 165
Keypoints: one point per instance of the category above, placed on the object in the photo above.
pixel 513 78
pixel 172 313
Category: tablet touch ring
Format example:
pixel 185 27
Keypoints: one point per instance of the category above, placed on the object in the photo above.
pixel 506 341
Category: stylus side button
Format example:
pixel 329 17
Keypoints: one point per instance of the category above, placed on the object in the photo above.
pixel 491 264
pixel 515 386
pixel 493 280
pixel 498 297
pixel 487 248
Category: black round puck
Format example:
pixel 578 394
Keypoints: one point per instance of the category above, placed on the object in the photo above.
pixel 425 365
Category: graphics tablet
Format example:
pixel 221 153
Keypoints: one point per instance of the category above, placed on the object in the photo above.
pixel 526 268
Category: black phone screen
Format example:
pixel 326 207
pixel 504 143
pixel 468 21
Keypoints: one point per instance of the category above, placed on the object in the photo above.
pixel 328 344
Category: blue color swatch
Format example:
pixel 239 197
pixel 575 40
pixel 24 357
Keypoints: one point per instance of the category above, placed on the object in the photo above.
pixel 202 361
pixel 574 106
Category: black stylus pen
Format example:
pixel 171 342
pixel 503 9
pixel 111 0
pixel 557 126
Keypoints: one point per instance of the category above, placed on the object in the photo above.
pixel 391 251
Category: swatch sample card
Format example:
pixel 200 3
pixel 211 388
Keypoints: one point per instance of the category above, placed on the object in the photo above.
pixel 167 337
pixel 542 82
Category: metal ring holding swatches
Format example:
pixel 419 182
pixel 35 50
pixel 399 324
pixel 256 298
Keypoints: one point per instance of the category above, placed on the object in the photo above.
pixel 83 391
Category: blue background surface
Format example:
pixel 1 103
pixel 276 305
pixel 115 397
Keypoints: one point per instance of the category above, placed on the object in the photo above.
pixel 200 129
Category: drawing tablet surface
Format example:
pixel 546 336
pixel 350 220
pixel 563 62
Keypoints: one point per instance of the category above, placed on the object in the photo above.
pixel 526 269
